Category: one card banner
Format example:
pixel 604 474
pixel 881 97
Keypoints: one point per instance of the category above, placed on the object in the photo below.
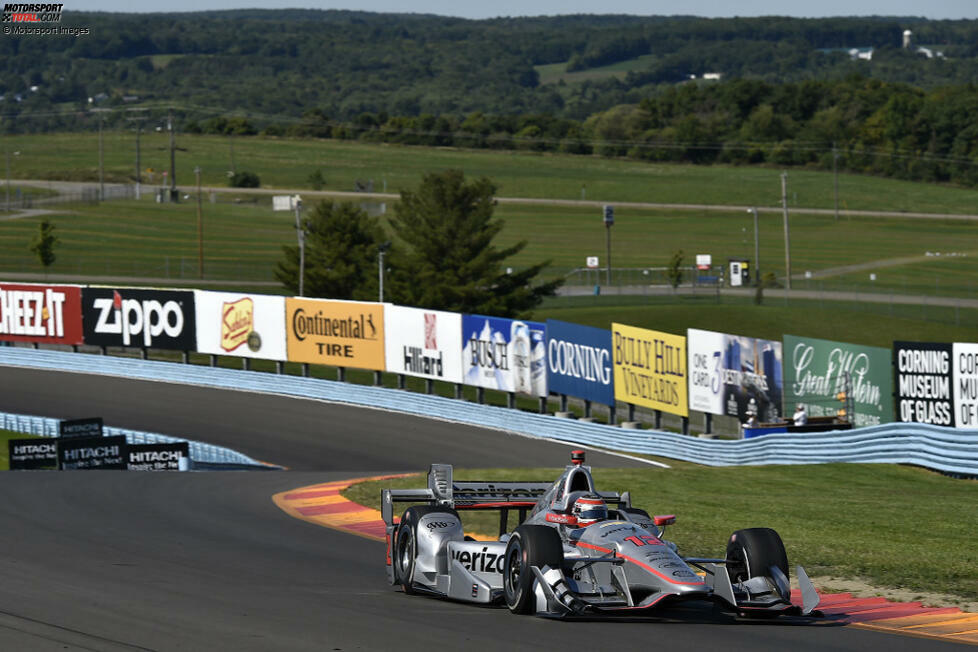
pixel 172 456
pixel 423 343
pixel 924 377
pixel 337 333
pixel 504 354
pixel 650 368
pixel 243 325
pixel 101 453
pixel 128 317
pixel 40 313
pixel 579 361
pixel 32 454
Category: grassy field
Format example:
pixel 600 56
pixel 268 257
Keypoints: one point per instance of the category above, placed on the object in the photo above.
pixel 893 526
pixel 554 73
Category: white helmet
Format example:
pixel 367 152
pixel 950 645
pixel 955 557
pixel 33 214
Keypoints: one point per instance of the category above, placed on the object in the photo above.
pixel 589 509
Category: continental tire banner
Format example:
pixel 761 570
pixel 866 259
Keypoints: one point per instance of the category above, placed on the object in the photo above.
pixel 650 368
pixel 579 361
pixel 731 375
pixel 816 372
pixel 244 325
pixel 158 319
pixel 924 382
pixel 40 313
pixel 965 368
pixel 337 333
pixel 504 354
pixel 424 343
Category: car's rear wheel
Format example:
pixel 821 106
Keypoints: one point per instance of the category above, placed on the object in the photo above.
pixel 752 552
pixel 529 545
pixel 406 543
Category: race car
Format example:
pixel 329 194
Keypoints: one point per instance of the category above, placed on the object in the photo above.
pixel 571 556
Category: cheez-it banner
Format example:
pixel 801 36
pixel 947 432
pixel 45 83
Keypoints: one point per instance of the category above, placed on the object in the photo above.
pixel 337 333
pixel 650 368
pixel 40 313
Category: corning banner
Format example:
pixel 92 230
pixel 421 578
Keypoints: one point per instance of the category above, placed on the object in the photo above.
pixel 158 319
pixel 579 361
pixel 815 373
pixel 965 360
pixel 337 333
pixel 924 376
pixel 732 374
pixel 504 354
pixel 245 325
pixel 650 368
pixel 425 343
pixel 40 313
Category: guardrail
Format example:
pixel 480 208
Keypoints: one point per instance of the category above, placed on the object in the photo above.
pixel 949 450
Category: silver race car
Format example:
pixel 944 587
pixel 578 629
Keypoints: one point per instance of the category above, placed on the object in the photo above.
pixel 572 556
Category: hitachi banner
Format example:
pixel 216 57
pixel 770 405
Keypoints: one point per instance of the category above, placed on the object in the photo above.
pixel 650 368
pixel 579 361
pixel 245 325
pixel 337 333
pixel 40 313
pixel 816 372
pixel 425 343
pixel 504 354
pixel 731 374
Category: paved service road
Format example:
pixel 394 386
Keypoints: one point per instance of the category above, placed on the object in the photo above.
pixel 205 561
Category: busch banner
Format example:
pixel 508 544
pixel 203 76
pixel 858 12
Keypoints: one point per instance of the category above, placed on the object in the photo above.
pixel 650 368
pixel 731 374
pixel 337 333
pixel 579 361
pixel 816 372
pixel 504 354
pixel 245 325
pixel 425 343
pixel 159 319
pixel 40 313
pixel 924 375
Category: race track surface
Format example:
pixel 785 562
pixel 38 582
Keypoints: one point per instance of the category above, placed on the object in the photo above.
pixel 206 561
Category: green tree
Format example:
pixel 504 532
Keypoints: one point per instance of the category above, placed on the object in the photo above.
pixel 675 270
pixel 450 261
pixel 43 243
pixel 340 254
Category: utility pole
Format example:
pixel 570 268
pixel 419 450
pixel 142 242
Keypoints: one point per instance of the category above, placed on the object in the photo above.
pixel 8 179
pixel 173 157
pixel 609 220
pixel 138 119
pixel 101 167
pixel 835 178
pixel 757 248
pixel 301 234
pixel 787 237
pixel 200 228
pixel 381 249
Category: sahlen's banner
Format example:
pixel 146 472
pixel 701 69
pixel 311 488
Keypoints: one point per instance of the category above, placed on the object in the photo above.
pixel 504 354
pixel 424 343
pixel 159 319
pixel 924 378
pixel 337 333
pixel 732 374
pixel 245 325
pixel 40 313
pixel 579 361
pixel 650 368
pixel 965 366
pixel 817 371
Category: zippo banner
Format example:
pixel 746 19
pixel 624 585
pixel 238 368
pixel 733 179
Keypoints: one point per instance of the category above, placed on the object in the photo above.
pixel 815 372
pixel 579 361
pixel 337 333
pixel 245 325
pixel 159 319
pixel 924 379
pixel 424 343
pixel 40 313
pixel 504 354
pixel 731 375
pixel 650 368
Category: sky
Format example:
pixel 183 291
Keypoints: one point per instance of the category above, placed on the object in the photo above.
pixel 935 9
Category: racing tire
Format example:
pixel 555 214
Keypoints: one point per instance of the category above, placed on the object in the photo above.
pixel 529 545
pixel 405 543
pixel 751 552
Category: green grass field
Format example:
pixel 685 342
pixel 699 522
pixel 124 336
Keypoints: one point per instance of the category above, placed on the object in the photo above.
pixel 554 73
pixel 892 526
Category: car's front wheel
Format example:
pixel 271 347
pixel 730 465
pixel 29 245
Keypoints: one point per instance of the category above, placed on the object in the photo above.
pixel 406 543
pixel 529 545
pixel 752 552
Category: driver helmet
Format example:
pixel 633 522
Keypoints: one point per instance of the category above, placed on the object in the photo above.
pixel 589 509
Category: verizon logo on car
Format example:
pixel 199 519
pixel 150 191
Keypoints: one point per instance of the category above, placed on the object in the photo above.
pixel 145 318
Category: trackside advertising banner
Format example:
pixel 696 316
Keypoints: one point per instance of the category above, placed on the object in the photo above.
pixel 424 343
pixel 159 319
pixel 924 382
pixel 337 333
pixel 40 313
pixel 731 374
pixel 650 368
pixel 965 366
pixel 815 373
pixel 504 354
pixel 245 325
pixel 579 361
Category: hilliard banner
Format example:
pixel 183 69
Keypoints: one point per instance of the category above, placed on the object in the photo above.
pixel 108 453
pixel 158 319
pixel 425 343
pixel 40 313
pixel 650 368
pixel 924 382
pixel 245 325
pixel 579 361
pixel 31 454
pixel 337 333
pixel 504 354
pixel 817 371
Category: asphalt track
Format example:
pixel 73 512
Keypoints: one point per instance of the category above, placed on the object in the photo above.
pixel 206 561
